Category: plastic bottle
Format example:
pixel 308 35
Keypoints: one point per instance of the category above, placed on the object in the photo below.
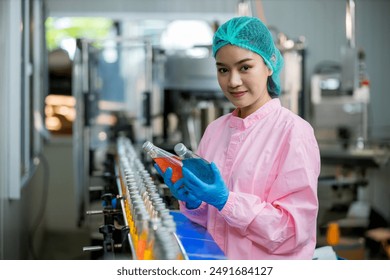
pixel 164 159
pixel 200 167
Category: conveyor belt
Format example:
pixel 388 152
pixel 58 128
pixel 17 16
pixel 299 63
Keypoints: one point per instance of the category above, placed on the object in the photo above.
pixel 154 232
pixel 197 242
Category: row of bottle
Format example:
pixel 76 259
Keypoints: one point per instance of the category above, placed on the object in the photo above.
pixel 184 158
pixel 151 226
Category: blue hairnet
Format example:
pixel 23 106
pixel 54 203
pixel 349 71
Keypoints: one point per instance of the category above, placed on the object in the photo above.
pixel 252 34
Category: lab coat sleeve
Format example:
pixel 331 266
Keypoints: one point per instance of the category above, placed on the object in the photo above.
pixel 286 221
pixel 198 215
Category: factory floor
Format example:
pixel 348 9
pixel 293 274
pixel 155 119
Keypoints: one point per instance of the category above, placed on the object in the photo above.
pixel 65 245
pixel 69 244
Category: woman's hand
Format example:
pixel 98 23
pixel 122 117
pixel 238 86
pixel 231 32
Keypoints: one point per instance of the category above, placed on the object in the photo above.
pixel 178 190
pixel 215 193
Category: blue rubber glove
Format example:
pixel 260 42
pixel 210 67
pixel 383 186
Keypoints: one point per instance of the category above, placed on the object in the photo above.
pixel 215 193
pixel 178 189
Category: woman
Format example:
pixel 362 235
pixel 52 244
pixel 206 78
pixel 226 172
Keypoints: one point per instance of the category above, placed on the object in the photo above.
pixel 263 203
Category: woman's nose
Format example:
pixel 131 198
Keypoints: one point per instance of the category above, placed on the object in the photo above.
pixel 234 79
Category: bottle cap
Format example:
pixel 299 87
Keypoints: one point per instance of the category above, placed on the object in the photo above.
pixel 147 146
pixel 180 149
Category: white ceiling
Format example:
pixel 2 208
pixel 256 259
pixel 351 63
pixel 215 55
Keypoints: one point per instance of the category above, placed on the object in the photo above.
pixel 135 9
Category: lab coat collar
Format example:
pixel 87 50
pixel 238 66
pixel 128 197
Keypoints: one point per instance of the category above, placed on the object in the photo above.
pixel 239 123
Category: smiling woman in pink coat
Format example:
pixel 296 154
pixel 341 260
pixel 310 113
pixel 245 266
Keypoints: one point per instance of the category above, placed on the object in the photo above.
pixel 264 158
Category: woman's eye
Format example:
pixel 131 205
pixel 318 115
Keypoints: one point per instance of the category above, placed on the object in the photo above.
pixel 245 68
pixel 222 70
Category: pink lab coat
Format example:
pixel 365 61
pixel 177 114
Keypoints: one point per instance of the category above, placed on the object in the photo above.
pixel 270 162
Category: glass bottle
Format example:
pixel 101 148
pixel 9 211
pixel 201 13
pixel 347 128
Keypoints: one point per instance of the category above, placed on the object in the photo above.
pixel 200 167
pixel 164 159
pixel 153 226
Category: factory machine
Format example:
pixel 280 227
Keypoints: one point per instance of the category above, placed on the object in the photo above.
pixel 340 103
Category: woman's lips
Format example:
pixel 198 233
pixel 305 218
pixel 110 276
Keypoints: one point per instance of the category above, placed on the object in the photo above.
pixel 238 94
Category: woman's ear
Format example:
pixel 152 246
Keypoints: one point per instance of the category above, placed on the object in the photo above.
pixel 270 72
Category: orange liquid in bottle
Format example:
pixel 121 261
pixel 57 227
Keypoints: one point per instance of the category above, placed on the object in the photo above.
pixel 172 162
pixel 141 248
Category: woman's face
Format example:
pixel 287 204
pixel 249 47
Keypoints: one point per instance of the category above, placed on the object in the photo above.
pixel 242 76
